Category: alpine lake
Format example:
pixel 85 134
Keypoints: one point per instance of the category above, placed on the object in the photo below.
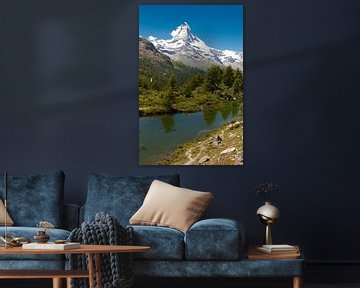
pixel 159 135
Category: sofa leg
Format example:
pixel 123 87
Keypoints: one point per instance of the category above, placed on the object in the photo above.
pixel 297 282
pixel 57 283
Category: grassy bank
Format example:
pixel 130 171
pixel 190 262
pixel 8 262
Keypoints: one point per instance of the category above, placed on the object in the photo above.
pixel 222 146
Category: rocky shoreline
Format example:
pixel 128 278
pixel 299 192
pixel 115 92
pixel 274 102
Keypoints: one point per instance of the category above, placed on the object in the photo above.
pixel 222 146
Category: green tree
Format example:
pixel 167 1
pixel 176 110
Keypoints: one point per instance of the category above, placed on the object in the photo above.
pixel 228 78
pixel 191 84
pixel 213 78
pixel 237 86
pixel 239 75
pixel 169 94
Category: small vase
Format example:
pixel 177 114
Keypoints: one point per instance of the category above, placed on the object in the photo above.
pixel 41 237
pixel 268 214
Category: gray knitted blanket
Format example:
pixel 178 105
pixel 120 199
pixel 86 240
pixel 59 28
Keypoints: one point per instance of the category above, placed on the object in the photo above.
pixel 116 268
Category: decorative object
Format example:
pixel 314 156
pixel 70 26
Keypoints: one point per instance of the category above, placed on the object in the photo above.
pixel 265 189
pixel 4 238
pixel 170 206
pixel 11 241
pixel 190 85
pixel 41 236
pixel 268 213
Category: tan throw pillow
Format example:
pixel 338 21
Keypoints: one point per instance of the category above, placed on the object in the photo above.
pixel 9 221
pixel 170 206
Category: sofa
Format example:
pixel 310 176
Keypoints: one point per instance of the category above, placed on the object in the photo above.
pixel 209 248
pixel 32 199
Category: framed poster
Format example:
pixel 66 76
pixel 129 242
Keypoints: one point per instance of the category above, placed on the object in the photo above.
pixel 191 85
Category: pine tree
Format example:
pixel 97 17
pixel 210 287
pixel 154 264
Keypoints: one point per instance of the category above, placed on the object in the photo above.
pixel 170 93
pixel 237 86
pixel 228 78
pixel 191 84
pixel 239 75
pixel 213 78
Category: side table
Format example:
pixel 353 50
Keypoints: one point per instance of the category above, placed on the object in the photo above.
pixel 290 260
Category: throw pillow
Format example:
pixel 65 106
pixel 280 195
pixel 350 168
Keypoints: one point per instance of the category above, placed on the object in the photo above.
pixel 170 206
pixel 120 196
pixel 9 221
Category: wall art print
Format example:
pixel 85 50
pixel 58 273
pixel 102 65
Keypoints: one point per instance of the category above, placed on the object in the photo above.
pixel 191 85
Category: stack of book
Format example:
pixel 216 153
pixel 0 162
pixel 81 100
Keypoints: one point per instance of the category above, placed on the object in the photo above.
pixel 274 252
pixel 51 246
pixel 279 249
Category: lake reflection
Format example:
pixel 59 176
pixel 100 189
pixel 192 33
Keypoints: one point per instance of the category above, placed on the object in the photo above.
pixel 161 134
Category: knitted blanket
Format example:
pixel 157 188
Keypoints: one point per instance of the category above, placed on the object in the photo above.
pixel 116 268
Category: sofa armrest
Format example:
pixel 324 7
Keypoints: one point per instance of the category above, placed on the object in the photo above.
pixel 215 239
pixel 71 216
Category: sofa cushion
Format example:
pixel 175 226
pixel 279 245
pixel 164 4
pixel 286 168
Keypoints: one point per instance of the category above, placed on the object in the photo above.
pixel 214 239
pixel 9 221
pixel 165 243
pixel 119 196
pixel 35 198
pixel 170 206
pixel 29 232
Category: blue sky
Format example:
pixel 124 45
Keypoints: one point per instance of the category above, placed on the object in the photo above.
pixel 219 26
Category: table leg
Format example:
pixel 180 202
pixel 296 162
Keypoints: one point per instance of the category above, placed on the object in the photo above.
pixel 297 282
pixel 91 270
pixel 98 270
pixel 68 282
pixel 57 283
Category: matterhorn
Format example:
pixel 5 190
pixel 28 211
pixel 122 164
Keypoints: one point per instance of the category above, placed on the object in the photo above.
pixel 187 48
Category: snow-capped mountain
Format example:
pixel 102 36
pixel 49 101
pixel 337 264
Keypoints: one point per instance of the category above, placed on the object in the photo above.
pixel 189 49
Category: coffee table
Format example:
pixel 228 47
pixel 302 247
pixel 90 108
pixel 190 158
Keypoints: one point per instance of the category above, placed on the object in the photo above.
pixel 94 267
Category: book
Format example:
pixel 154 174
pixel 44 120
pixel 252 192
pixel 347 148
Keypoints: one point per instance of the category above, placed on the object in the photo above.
pixel 51 246
pixel 255 254
pixel 278 249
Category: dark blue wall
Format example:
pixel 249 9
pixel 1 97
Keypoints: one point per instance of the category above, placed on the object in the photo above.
pixel 68 86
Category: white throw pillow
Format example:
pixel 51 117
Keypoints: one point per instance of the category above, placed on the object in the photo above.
pixel 170 206
pixel 9 221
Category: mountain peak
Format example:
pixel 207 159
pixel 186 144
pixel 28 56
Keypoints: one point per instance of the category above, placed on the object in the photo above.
pixel 187 48
pixel 183 31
